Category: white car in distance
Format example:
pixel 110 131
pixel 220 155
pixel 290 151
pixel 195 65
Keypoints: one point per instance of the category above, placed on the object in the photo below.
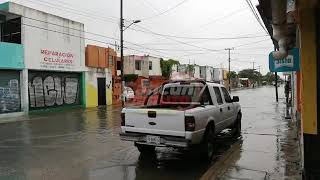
pixel 128 94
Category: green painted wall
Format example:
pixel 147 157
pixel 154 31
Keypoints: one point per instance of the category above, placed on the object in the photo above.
pixel 84 91
pixel 12 56
pixel 4 6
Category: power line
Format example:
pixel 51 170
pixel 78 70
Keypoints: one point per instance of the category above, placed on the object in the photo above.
pixel 155 50
pixel 166 11
pixel 256 15
pixel 81 37
pixel 82 31
pixel 146 3
pixel 254 48
pixel 68 27
pixel 241 45
pixel 200 38
pixel 236 60
pixel 74 11
pixel 200 41
pixel 99 13
pixel 181 42
pixel 72 35
pixel 223 17
pixel 100 35
pixel 95 40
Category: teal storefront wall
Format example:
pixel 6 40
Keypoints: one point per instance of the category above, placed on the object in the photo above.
pixel 12 56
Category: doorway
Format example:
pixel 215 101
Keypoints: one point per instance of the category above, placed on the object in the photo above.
pixel 102 97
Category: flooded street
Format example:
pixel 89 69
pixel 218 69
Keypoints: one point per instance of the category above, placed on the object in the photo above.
pixel 85 145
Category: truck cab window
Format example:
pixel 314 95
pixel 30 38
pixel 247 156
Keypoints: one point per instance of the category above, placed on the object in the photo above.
pixel 153 98
pixel 226 95
pixel 218 95
pixel 206 98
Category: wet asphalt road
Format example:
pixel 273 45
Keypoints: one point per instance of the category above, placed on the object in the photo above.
pixel 85 145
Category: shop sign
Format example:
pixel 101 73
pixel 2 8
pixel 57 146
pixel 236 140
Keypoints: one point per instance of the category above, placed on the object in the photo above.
pixel 288 64
pixel 57 60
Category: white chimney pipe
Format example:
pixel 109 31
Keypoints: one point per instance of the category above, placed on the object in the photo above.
pixel 279 25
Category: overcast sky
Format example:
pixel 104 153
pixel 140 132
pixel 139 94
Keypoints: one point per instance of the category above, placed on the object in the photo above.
pixel 195 23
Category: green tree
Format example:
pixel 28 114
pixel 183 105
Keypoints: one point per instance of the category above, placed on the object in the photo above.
pixel 190 69
pixel 233 75
pixel 166 66
pixel 252 75
pixel 270 78
pixel 130 77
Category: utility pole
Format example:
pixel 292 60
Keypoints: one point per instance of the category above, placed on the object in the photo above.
pixel 276 82
pixel 121 49
pixel 253 73
pixel 259 80
pixel 229 60
pixel 121 52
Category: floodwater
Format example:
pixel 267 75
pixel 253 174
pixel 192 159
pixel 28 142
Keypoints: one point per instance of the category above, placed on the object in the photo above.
pixel 85 145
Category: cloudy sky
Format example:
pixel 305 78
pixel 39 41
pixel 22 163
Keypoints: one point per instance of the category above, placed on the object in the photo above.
pixel 195 31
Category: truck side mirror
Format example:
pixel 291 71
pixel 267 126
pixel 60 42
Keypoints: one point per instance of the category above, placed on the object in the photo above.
pixel 235 99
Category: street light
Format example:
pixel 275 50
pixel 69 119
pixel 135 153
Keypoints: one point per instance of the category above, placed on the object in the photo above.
pixel 121 47
pixel 133 22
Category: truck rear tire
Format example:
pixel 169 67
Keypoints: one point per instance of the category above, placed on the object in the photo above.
pixel 145 149
pixel 208 146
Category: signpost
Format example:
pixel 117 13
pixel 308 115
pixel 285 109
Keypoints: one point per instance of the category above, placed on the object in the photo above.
pixel 288 64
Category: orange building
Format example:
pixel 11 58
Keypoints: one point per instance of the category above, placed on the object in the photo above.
pixel 101 70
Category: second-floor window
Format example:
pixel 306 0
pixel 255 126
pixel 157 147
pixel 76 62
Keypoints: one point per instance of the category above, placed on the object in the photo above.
pixel 138 65
pixel 150 65
pixel 11 31
pixel 110 60
pixel 118 65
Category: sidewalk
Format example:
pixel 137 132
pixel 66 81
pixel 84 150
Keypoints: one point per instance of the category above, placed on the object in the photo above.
pixel 269 148
pixel 40 114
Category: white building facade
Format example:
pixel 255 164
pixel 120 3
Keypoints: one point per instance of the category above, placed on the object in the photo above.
pixel 142 65
pixel 218 75
pixel 154 66
pixel 206 73
pixel 53 58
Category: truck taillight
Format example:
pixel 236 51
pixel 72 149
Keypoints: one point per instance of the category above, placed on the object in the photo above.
pixel 190 124
pixel 123 119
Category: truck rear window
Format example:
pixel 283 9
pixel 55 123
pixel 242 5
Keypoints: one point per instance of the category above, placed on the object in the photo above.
pixel 181 93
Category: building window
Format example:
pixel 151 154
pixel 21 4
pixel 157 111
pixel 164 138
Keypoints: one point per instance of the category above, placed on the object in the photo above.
pixel 138 65
pixel 11 31
pixel 150 65
pixel 110 60
pixel 118 65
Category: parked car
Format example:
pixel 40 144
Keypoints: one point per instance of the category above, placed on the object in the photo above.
pixel 128 93
pixel 184 115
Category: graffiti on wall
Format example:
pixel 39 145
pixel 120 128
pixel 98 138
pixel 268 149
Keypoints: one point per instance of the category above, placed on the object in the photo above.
pixel 108 84
pixel 53 90
pixel 10 97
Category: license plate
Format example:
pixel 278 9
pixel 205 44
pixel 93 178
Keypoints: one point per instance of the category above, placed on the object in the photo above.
pixel 153 139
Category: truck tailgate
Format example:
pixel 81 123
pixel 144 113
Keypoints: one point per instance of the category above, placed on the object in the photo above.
pixel 155 121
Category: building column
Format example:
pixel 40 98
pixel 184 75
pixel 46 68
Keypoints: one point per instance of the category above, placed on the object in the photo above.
pixel 24 91
pixel 311 138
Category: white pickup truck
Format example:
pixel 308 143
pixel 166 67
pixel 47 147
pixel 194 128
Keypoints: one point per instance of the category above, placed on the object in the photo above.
pixel 182 114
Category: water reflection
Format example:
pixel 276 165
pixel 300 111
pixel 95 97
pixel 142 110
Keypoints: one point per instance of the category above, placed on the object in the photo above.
pixel 84 144
pixel 171 164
